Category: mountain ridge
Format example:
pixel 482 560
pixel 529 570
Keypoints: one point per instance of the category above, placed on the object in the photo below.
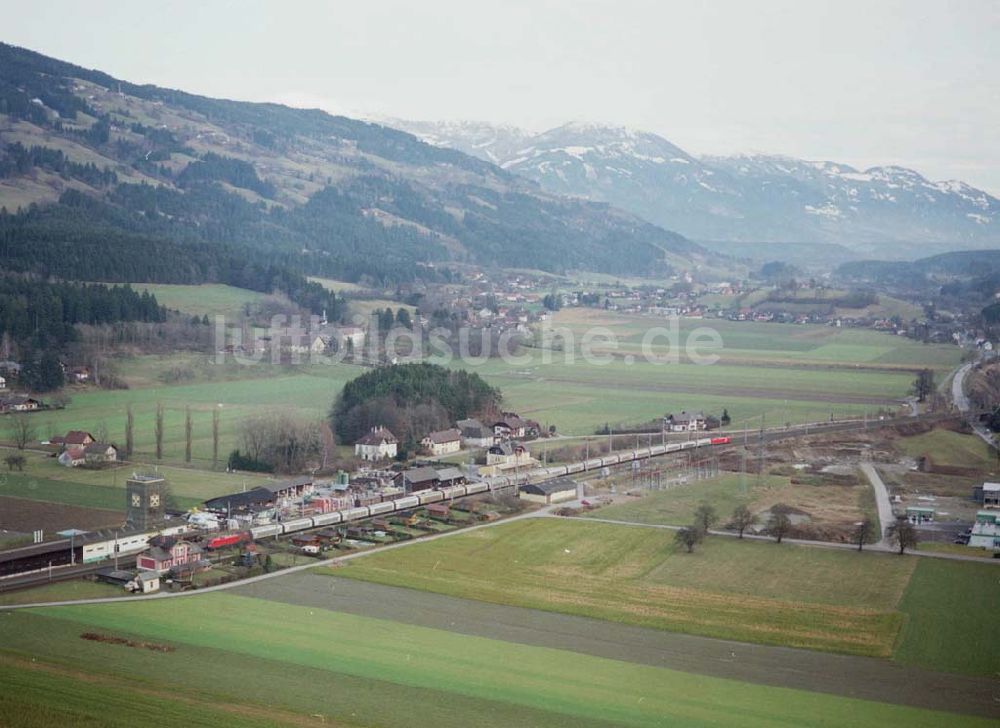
pixel 325 194
pixel 886 209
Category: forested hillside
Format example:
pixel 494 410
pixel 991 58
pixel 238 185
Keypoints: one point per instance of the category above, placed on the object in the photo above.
pixel 107 180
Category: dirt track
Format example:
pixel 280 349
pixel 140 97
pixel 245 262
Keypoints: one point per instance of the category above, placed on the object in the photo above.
pixel 856 677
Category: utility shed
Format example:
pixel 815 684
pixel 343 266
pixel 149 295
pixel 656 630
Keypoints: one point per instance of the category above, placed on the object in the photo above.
pixel 551 491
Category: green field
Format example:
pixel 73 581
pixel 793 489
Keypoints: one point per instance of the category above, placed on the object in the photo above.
pixel 749 591
pixel 950 608
pixel 946 447
pixel 211 299
pixel 753 591
pixel 44 479
pixel 243 661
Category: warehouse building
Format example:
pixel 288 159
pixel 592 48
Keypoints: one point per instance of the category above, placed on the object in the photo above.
pixel 551 491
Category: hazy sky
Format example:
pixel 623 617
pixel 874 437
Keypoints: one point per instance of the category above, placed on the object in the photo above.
pixel 914 82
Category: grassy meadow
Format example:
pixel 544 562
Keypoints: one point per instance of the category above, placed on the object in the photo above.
pixel 279 664
pixel 919 611
pixel 749 591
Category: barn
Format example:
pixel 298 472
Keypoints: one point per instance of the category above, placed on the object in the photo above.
pixel 551 491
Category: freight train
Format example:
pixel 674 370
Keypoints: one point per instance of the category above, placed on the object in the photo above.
pixel 92 550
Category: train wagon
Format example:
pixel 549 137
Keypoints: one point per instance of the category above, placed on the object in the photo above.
pixel 452 491
pixel 721 440
pixel 377 509
pixel 474 488
pixel 703 441
pixel 673 447
pixel 658 450
pixel 267 531
pixel 328 519
pixel 429 496
pixel 410 501
pixel 353 514
pixel 574 468
pixel 296 524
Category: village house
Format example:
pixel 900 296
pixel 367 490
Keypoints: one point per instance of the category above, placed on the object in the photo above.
pixel 79 375
pixel 685 422
pixel 508 454
pixel 3 383
pixel 100 453
pixel 475 433
pixel 443 442
pixel 349 336
pixel 379 444
pixel 166 553
pixel 510 425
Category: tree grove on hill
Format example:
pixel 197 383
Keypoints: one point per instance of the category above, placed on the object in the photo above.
pixel 411 399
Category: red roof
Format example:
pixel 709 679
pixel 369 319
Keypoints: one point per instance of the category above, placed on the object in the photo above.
pixel 78 437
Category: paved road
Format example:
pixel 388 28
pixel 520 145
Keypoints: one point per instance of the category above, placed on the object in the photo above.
pixel 961 401
pixel 885 514
pixel 856 677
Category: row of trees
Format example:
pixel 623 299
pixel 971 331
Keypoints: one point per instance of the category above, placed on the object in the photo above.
pixel 901 533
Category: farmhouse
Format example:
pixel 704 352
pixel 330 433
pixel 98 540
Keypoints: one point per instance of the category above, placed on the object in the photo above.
pixel 475 433
pixel 551 491
pixel 508 454
pixel 166 553
pixel 19 403
pixel 685 422
pixel 71 457
pixel 379 444
pixel 443 442
pixel 100 453
pixel 77 438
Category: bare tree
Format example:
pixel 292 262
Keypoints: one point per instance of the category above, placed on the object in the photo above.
pixel 22 429
pixel 329 444
pixel 187 435
pixel 779 524
pixel 15 461
pixel 158 430
pixel 129 431
pixel 903 534
pixel 689 537
pixel 215 438
pixel 101 431
pixel 285 443
pixel 863 530
pixel 743 518
pixel 923 385
pixel 705 517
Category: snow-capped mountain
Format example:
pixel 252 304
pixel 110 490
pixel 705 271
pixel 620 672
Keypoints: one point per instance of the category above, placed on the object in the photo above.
pixel 749 198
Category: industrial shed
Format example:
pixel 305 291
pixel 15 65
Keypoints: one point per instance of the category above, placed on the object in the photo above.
pixel 551 491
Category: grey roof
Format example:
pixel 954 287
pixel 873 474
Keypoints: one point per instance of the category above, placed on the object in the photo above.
pixel 420 475
pixel 450 474
pixel 556 485
pixel 442 436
